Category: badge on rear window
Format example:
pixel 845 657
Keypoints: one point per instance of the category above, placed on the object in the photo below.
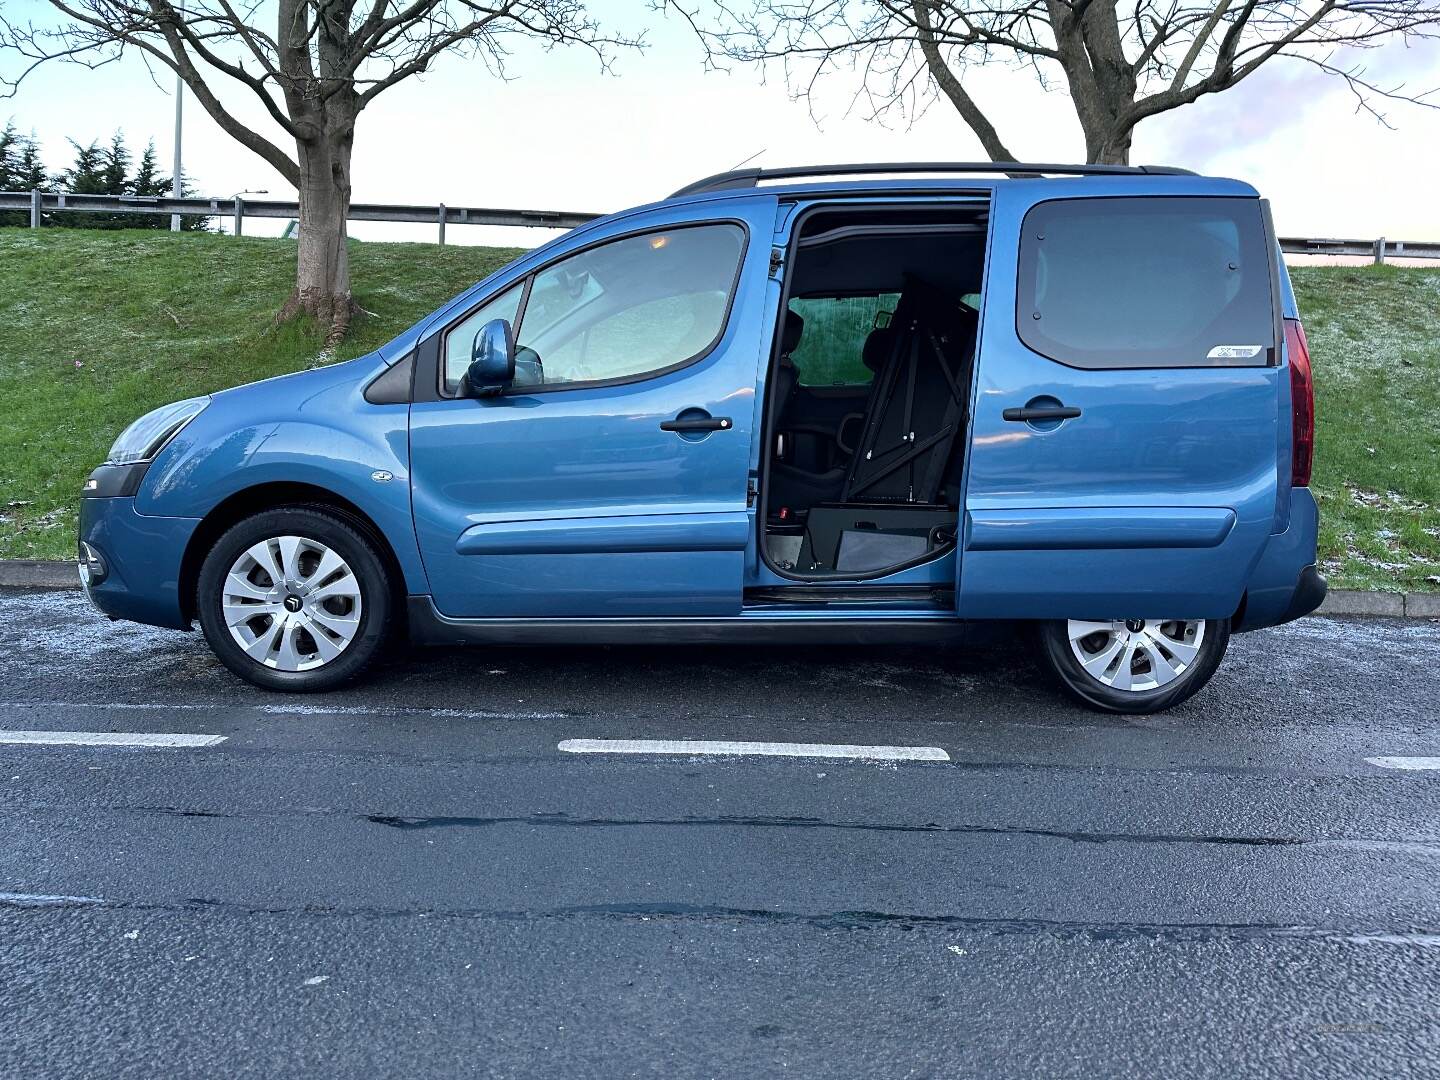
pixel 1233 352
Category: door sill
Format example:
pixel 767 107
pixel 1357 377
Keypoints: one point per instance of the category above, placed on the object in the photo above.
pixel 926 599
pixel 794 625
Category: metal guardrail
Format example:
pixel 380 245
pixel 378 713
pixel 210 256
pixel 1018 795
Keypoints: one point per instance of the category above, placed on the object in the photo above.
pixel 1379 249
pixel 39 203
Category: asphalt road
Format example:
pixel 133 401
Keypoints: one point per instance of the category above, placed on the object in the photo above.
pixel 410 879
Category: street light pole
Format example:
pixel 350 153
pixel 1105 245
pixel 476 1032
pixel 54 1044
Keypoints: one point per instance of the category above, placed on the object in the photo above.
pixel 175 175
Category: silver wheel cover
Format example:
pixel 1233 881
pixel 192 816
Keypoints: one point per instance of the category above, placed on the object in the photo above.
pixel 1136 654
pixel 291 603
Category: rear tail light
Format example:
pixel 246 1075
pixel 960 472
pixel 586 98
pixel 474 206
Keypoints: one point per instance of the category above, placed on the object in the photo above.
pixel 1302 404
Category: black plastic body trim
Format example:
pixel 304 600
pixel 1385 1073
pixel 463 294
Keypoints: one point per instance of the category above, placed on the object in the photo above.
pixel 393 385
pixel 1272 242
pixel 1310 592
pixel 429 627
pixel 425 385
pixel 704 423
pixel 807 597
pixel 1052 412
pixel 749 178
pixel 116 481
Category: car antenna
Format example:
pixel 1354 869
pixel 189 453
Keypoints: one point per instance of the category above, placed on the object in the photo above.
pixel 743 161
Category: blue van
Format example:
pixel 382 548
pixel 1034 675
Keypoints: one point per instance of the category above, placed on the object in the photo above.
pixel 873 403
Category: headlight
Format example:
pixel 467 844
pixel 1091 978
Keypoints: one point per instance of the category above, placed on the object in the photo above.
pixel 143 439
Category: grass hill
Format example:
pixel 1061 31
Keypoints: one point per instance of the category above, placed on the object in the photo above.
pixel 98 327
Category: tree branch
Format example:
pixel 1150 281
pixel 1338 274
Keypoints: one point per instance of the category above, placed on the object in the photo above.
pixel 949 85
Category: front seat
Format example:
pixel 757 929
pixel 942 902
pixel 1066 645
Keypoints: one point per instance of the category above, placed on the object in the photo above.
pixel 786 376
pixel 789 484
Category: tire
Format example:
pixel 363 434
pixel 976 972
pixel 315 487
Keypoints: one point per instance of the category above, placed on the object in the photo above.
pixel 1168 660
pixel 331 602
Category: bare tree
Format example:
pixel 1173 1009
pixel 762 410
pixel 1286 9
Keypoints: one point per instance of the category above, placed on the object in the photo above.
pixel 1121 61
pixel 314 65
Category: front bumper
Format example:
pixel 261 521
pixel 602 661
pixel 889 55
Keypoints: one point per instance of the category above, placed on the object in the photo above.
pixel 140 557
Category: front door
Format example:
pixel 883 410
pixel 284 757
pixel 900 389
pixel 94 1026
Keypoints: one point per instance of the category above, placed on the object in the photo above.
pixel 1126 433
pixel 611 479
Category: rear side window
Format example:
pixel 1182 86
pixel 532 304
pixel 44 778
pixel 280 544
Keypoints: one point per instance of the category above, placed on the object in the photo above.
pixel 1146 282
pixel 832 345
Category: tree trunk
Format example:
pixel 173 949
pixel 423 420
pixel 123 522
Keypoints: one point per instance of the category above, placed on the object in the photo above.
pixel 1108 147
pixel 1102 84
pixel 322 276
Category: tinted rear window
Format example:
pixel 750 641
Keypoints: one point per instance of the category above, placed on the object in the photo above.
pixel 1146 282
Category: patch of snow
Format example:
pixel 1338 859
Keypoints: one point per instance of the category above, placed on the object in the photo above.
pixel 62 631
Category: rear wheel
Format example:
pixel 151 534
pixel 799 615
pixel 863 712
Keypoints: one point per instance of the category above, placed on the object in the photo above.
pixel 294 599
pixel 1133 665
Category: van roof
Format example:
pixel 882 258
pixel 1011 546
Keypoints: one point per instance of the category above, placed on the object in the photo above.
pixel 750 178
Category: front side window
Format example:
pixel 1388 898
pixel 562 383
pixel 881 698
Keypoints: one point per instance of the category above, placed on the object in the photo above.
pixel 627 308
pixel 1146 282
pixel 631 307
pixel 461 339
pixel 832 345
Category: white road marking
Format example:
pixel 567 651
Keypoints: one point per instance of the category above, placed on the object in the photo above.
pixel 106 738
pixel 392 710
pixel 1409 763
pixel 292 710
pixel 24 899
pixel 765 749
pixel 107 705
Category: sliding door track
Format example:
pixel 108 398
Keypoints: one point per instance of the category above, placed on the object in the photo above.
pixel 919 598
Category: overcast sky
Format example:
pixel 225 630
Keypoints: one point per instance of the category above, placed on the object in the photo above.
pixel 563 135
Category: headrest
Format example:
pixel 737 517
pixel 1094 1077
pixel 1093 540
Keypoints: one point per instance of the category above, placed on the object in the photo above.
pixel 790 336
pixel 877 347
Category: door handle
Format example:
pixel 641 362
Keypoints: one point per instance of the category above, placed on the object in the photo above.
pixel 697 423
pixel 1043 412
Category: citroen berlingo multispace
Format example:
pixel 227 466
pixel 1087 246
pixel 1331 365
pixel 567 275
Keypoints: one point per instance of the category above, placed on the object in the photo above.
pixel 877 403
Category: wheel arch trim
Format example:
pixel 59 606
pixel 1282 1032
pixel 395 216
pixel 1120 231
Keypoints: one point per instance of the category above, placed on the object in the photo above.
pixel 276 495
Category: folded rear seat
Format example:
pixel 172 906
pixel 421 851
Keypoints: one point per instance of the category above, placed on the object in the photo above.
pixel 917 401
pixel 890 510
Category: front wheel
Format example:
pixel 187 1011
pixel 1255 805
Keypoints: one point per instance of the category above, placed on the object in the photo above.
pixel 294 599
pixel 1133 665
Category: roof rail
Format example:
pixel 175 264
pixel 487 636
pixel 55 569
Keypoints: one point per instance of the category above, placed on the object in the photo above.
pixel 749 178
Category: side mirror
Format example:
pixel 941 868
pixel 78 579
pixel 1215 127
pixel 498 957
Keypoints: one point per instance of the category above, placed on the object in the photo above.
pixel 492 359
